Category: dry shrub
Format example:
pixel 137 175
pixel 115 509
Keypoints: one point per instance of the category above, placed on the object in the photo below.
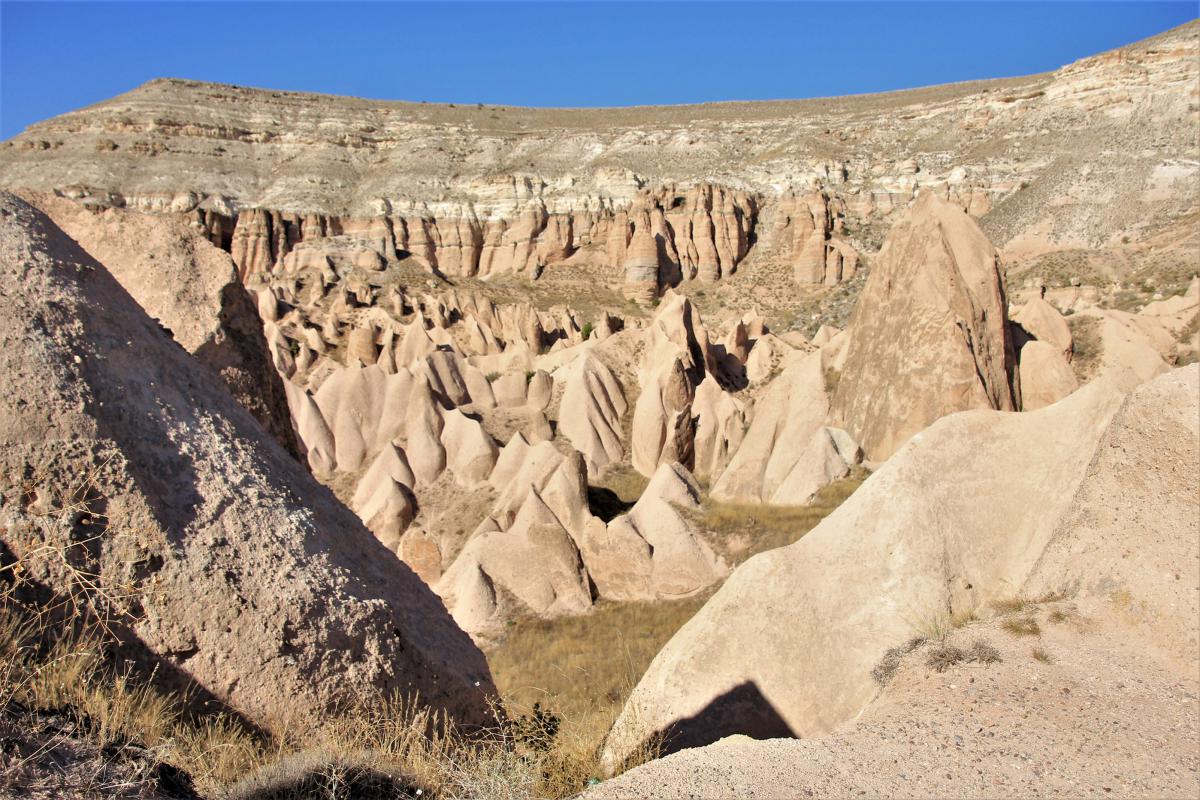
pixel 1024 626
pixel 982 652
pixel 885 670
pixel 943 655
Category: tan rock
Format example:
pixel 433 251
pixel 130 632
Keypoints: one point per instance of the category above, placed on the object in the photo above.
pixel 470 452
pixel 663 428
pixel 784 423
pixel 1043 322
pixel 720 427
pixel 105 396
pixel 652 553
pixel 1046 377
pixel 930 332
pixel 192 287
pixel 590 412
pixel 641 265
pixel 917 546
pixel 501 559
pixel 422 433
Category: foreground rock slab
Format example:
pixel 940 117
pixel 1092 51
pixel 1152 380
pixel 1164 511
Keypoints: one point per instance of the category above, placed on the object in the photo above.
pixel 216 559
pixel 1102 717
pixel 979 507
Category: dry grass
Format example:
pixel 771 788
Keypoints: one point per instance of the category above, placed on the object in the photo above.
pixel 1011 605
pixel 1022 626
pixel 386 747
pixel 740 530
pixel 1058 616
pixel 885 670
pixel 1040 654
pixel 584 667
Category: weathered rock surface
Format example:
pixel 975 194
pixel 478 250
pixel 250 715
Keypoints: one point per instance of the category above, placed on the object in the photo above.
pixel 930 332
pixel 594 404
pixel 787 453
pixel 219 560
pixel 191 287
pixel 914 542
pixel 652 553
pixel 1046 377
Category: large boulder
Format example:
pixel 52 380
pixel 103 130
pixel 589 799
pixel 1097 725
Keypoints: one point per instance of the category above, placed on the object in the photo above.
pixel 217 561
pixel 930 334
pixel 980 506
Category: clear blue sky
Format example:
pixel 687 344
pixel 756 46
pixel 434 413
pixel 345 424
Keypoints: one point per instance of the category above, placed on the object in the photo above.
pixel 59 56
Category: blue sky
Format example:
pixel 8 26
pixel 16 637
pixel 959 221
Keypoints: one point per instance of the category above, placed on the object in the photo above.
pixel 57 56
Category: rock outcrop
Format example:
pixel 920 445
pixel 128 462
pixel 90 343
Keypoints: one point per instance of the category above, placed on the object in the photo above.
pixel 191 287
pixel 787 646
pixel 653 553
pixel 785 446
pixel 813 231
pixel 930 332
pixel 216 559
pixel 594 404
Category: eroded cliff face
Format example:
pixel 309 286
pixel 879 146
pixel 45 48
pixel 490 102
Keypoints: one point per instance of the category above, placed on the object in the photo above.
pixel 1047 162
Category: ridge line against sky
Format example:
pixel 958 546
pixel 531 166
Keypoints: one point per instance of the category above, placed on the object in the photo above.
pixel 58 56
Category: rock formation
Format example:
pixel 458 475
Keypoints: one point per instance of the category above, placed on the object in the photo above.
pixel 930 332
pixel 192 289
pixel 787 646
pixel 819 253
pixel 787 453
pixel 595 404
pixel 126 462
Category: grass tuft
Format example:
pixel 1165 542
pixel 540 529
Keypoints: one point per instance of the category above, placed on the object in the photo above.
pixel 1023 626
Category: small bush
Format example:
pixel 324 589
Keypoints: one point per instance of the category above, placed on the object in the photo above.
pixel 586 331
pixel 1024 626
pixel 983 653
pixel 537 730
pixel 1041 655
pixel 943 656
pixel 885 670
pixel 491 376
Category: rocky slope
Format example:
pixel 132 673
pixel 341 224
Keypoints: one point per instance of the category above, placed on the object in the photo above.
pixel 910 552
pixel 138 494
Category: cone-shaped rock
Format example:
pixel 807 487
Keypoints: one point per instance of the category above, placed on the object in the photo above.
pixel 930 334
pixel 222 562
